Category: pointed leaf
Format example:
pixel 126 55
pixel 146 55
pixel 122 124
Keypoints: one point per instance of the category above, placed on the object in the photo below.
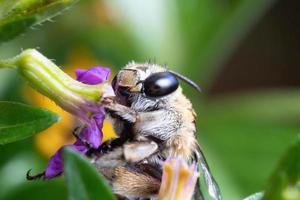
pixel 83 180
pixel 19 121
pixel 285 181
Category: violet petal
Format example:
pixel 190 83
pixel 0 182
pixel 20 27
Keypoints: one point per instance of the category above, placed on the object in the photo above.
pixel 55 164
pixel 99 118
pixel 92 134
pixel 93 75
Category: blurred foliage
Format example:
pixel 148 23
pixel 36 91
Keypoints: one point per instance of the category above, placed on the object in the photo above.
pixel 83 180
pixel 245 134
pixel 39 189
pixel 19 121
pixel 18 15
pixel 242 135
pixel 193 36
pixel 220 25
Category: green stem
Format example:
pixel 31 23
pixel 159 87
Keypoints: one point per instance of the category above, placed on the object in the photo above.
pixel 47 78
pixel 8 63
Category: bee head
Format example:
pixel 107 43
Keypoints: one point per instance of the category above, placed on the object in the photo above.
pixel 147 82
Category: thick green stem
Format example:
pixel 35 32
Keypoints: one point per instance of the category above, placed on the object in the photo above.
pixel 44 76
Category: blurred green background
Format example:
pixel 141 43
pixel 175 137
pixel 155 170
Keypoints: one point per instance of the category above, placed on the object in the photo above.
pixel 244 54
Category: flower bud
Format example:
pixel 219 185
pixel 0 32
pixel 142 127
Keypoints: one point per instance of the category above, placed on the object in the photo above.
pixel 43 75
pixel 81 97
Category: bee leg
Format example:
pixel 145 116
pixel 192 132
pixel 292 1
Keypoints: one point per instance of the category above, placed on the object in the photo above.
pixel 124 198
pixel 109 161
pixel 30 177
pixel 121 197
pixel 131 180
pixel 76 133
pixel 119 111
pixel 138 151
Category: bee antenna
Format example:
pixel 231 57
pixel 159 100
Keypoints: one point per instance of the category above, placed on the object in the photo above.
pixel 187 80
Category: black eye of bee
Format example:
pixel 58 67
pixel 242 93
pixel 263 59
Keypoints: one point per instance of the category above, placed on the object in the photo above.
pixel 160 84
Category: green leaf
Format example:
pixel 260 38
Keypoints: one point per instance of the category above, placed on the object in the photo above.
pixel 285 181
pixel 19 121
pixel 83 180
pixel 17 15
pixel 256 196
pixel 18 25
pixel 37 190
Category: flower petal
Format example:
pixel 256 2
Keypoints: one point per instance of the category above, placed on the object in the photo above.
pixel 93 75
pixel 178 181
pixel 92 133
pixel 55 164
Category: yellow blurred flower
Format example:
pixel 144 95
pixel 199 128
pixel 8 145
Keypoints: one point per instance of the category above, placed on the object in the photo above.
pixel 50 140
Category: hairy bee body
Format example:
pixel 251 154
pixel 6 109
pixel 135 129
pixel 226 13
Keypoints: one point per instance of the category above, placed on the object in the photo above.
pixel 170 120
pixel 154 120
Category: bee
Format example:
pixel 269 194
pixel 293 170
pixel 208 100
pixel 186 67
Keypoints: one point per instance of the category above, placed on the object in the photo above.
pixel 154 120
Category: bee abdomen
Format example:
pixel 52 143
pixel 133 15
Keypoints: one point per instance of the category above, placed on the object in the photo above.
pixel 135 182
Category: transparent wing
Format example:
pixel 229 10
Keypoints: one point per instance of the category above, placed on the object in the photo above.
pixel 212 185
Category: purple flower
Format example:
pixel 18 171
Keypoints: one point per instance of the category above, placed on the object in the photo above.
pixel 93 76
pixel 91 134
pixel 55 164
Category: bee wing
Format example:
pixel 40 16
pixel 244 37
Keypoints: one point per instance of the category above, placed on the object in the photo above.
pixel 212 185
pixel 198 195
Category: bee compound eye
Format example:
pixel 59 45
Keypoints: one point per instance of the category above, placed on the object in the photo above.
pixel 160 84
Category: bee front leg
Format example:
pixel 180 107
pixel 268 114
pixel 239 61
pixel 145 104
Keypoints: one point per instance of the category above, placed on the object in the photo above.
pixel 119 111
pixel 76 133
